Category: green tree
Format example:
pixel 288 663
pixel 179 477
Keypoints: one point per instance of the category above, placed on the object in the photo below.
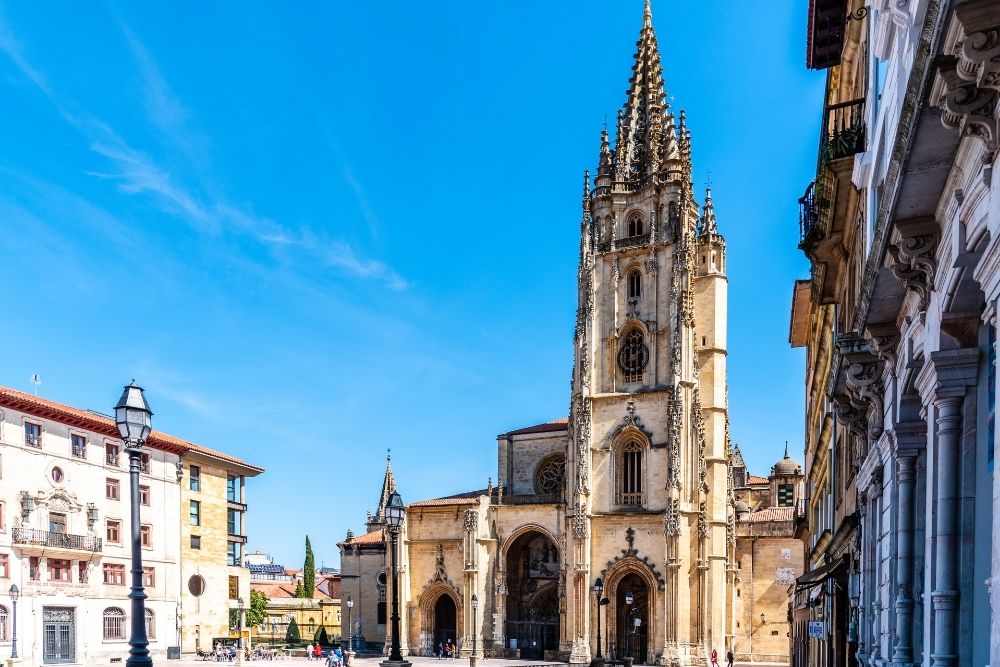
pixel 292 635
pixel 321 637
pixel 257 613
pixel 309 570
pixel 300 592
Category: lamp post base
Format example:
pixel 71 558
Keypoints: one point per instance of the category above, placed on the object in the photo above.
pixel 597 662
pixel 473 660
pixel 395 663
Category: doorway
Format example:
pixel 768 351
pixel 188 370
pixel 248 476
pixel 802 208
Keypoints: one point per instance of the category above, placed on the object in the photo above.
pixel 444 621
pixel 58 635
pixel 631 639
pixel 533 570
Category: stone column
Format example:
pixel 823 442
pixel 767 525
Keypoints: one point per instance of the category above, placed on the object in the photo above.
pixel 903 646
pixel 956 372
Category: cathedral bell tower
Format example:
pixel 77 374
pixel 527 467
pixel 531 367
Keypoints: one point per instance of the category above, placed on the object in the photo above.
pixel 647 496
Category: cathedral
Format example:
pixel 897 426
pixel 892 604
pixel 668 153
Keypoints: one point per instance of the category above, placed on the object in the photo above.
pixel 635 487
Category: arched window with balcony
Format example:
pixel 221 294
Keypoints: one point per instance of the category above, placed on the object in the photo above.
pixel 629 477
pixel 114 624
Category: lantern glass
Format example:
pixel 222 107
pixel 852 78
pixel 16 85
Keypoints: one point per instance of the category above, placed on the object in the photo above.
pixel 133 416
pixel 599 586
pixel 475 602
pixel 394 510
pixel 15 593
pixel 350 602
pixel 628 597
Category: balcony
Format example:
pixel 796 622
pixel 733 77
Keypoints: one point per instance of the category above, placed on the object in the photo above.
pixel 30 539
pixel 33 441
pixel 845 130
pixel 802 518
pixel 111 458
pixel 807 214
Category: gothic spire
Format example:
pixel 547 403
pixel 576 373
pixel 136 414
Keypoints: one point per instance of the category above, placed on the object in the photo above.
pixel 708 223
pixel 641 144
pixel 388 486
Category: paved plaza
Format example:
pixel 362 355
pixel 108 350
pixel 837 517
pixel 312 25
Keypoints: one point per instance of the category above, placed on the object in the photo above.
pixel 419 661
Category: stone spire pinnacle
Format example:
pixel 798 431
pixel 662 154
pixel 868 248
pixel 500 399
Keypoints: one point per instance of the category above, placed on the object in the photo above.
pixel 642 144
pixel 708 223
pixel 388 486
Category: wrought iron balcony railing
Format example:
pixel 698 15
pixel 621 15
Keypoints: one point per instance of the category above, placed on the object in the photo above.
pixel 631 498
pixel 843 130
pixel 33 441
pixel 807 212
pixel 44 538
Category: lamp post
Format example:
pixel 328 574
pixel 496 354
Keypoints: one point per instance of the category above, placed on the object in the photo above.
pixel 14 595
pixel 350 624
pixel 598 590
pixel 133 417
pixel 475 628
pixel 239 630
pixel 394 511
pixel 628 612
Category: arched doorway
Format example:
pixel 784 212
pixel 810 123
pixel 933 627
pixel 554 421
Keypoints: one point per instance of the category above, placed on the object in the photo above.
pixel 632 639
pixel 444 621
pixel 533 595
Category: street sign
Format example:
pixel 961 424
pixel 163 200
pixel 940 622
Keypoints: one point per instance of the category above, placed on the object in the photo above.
pixel 817 630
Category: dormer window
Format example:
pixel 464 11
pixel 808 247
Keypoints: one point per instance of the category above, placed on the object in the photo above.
pixel 634 284
pixel 635 225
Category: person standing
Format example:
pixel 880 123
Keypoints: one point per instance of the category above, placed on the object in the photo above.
pixel 730 657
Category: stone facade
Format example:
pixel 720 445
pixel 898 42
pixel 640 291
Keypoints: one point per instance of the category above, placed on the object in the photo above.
pixel 899 319
pixel 634 486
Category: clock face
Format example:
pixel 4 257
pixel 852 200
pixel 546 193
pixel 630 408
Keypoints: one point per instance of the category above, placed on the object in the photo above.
pixel 633 356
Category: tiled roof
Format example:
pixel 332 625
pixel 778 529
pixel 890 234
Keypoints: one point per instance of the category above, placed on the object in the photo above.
pixel 772 514
pixel 757 479
pixel 92 421
pixel 374 537
pixel 457 499
pixel 272 590
pixel 547 427
pixel 330 587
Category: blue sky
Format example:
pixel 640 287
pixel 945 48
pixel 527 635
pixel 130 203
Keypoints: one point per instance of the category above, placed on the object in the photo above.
pixel 314 231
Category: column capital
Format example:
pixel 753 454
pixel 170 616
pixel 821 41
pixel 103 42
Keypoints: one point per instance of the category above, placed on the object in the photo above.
pixel 909 438
pixel 948 374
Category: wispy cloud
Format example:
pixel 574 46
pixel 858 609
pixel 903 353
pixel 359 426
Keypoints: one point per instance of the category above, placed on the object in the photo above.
pixel 137 173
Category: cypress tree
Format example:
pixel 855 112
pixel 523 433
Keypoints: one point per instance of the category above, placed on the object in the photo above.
pixel 309 571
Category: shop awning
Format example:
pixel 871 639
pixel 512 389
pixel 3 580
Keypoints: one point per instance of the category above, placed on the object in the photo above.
pixel 820 574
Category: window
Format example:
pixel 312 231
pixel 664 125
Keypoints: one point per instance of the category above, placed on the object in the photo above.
pixel 635 225
pixel 194 478
pixel 550 477
pixel 57 475
pixel 144 495
pixel 196 542
pixel 195 510
pixel 34 574
pixel 233 489
pixel 114 623
pixel 112 490
pixel 234 587
pixel 630 473
pixel 114 574
pixel 33 435
pixel 633 356
pixel 146 537
pixel 634 284
pixel 82 571
pixel 4 566
pixel 79 446
pixel 149 577
pixel 381 612
pixel 144 463
pixel 150 624
pixel 58 569
pixel 57 523
pixel 111 454
pixel 4 636
pixel 234 554
pixel 2 516
pixel 114 531
pixel 786 495
pixel 233 522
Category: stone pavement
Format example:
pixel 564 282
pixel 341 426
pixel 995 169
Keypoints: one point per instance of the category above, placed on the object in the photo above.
pixel 418 661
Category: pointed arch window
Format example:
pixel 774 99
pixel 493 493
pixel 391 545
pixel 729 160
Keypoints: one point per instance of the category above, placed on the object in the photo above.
pixel 633 355
pixel 634 227
pixel 634 284
pixel 629 482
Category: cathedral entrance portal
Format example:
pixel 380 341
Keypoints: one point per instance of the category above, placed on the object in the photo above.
pixel 444 621
pixel 533 595
pixel 631 639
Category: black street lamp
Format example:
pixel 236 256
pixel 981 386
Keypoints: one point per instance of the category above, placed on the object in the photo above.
pixel 475 624
pixel 598 590
pixel 628 612
pixel 239 629
pixel 14 595
pixel 133 417
pixel 350 625
pixel 394 511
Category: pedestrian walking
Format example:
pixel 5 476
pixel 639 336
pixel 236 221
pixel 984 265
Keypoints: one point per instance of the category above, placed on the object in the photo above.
pixel 309 652
pixel 730 657
pixel 715 658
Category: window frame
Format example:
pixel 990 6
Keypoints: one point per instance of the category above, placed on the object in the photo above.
pixel 113 624
pixel 116 525
pixel 194 478
pixel 144 495
pixel 112 454
pixel 33 440
pixel 59 569
pixel 630 471
pixel 4 566
pixel 145 536
pixel 81 451
pixel 112 488
pixel 194 512
pixel 149 576
pixel 117 572
pixel 195 542
pixel 634 225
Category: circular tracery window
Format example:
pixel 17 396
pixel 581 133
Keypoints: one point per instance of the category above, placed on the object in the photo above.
pixel 551 475
pixel 633 356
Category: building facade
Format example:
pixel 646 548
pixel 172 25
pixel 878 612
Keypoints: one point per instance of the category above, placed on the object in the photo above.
pixel 899 322
pixel 65 534
pixel 212 542
pixel 634 487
